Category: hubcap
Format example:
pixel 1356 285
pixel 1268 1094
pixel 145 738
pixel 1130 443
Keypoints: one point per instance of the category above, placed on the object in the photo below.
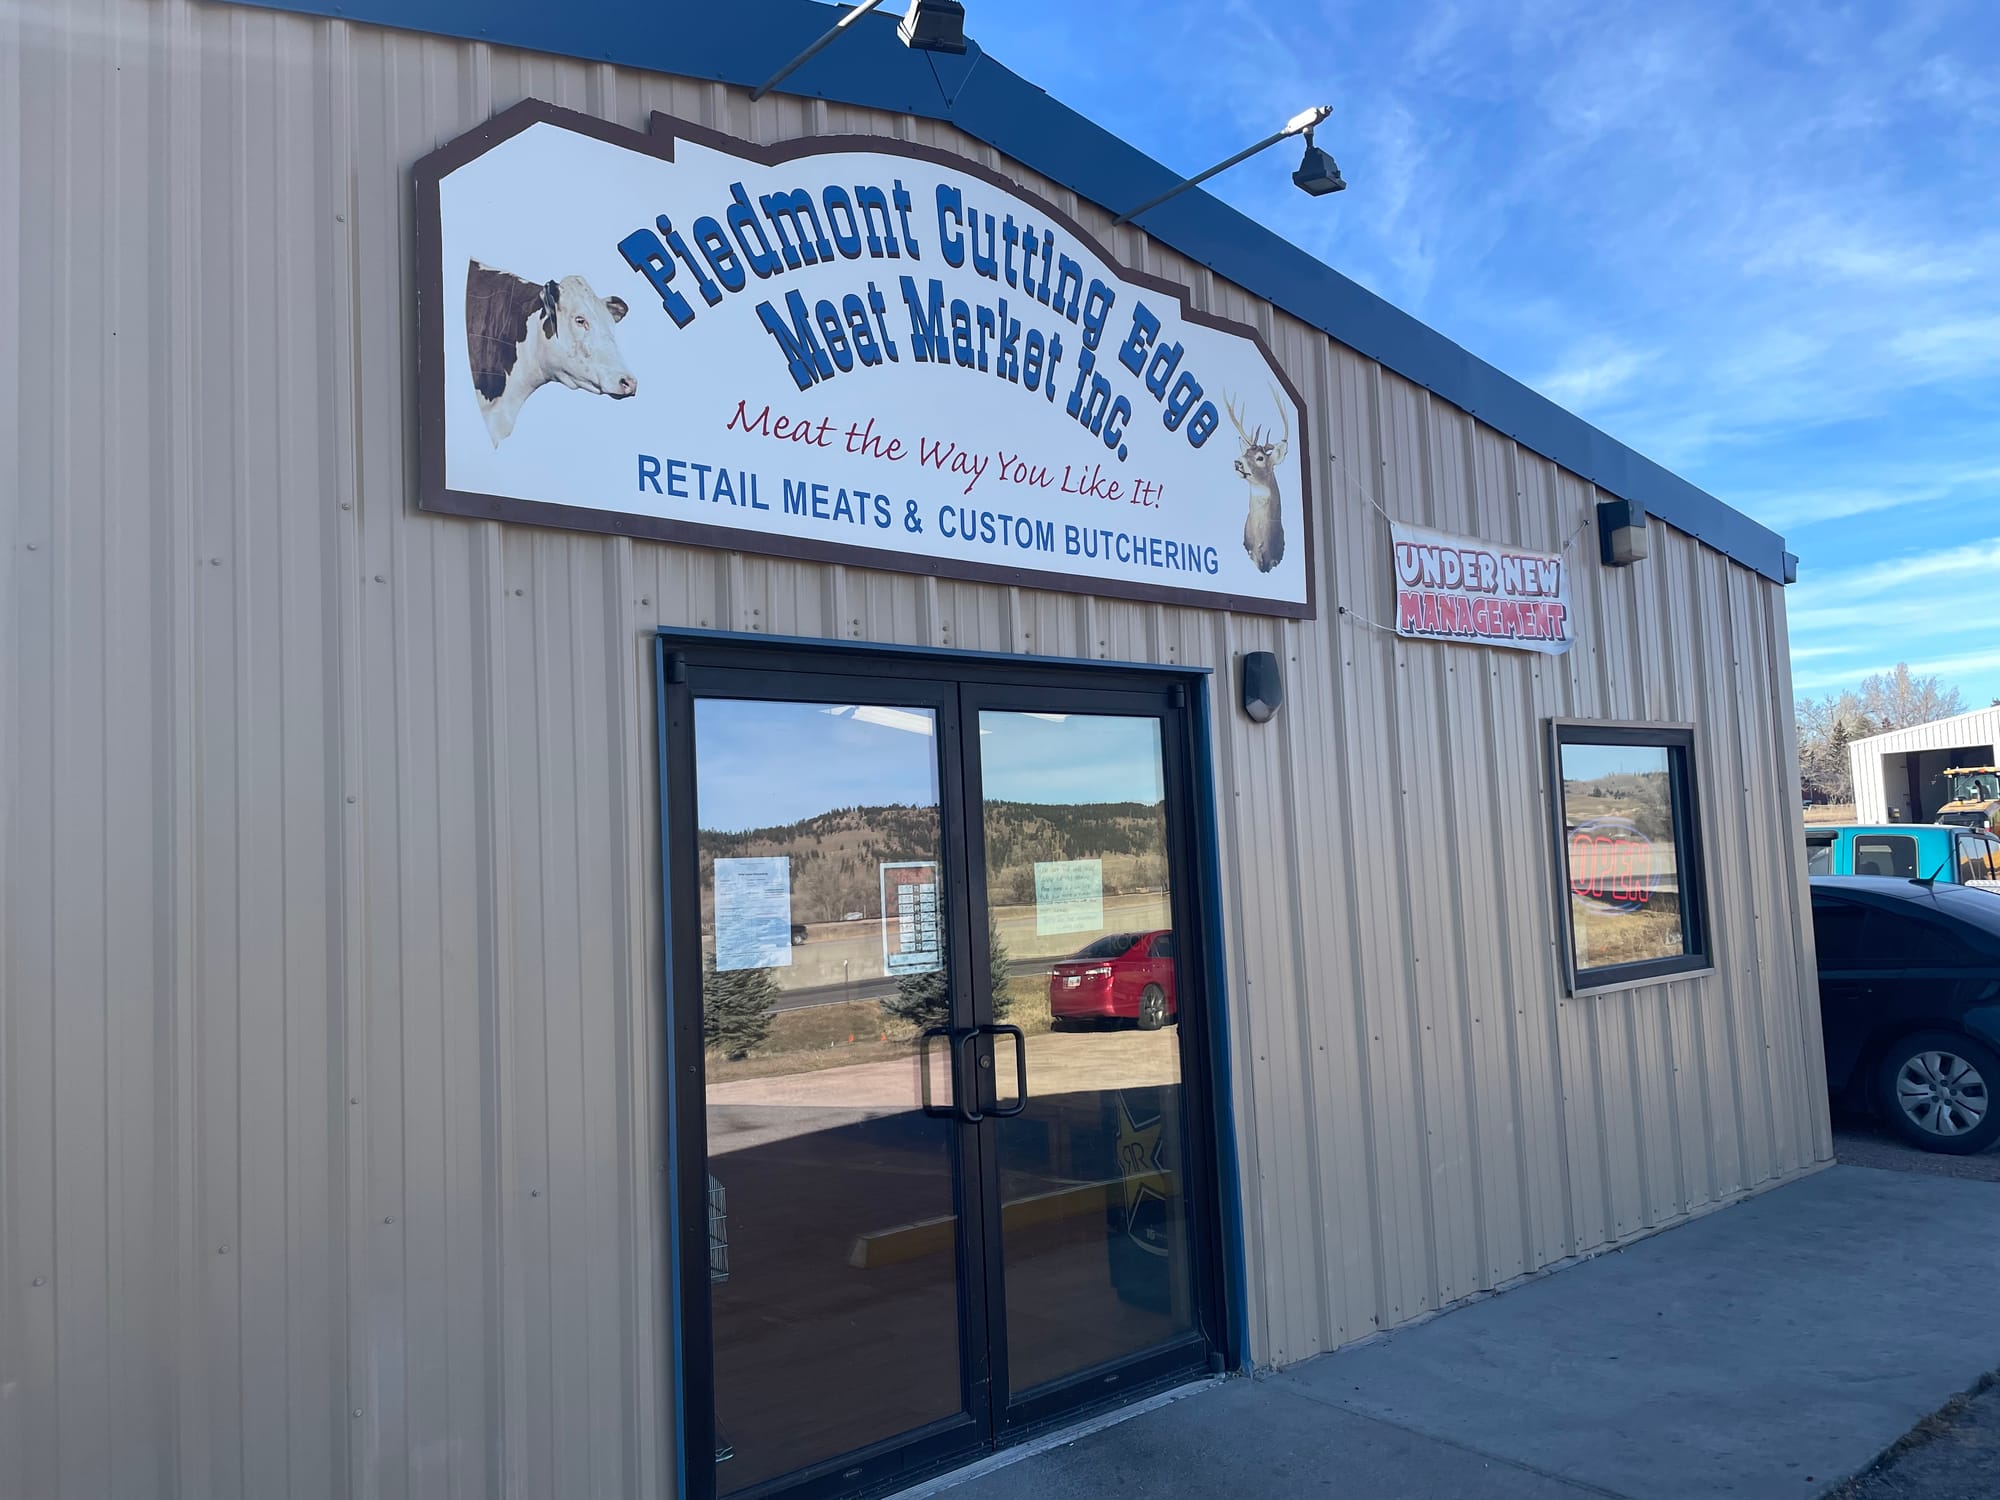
pixel 1942 1093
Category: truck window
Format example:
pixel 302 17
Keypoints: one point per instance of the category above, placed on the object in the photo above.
pixel 1892 854
pixel 1972 859
pixel 1819 853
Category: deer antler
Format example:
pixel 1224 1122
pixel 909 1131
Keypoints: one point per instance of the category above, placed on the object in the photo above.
pixel 1284 416
pixel 1230 407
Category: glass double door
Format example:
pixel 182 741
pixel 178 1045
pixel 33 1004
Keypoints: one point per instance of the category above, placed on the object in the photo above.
pixel 933 952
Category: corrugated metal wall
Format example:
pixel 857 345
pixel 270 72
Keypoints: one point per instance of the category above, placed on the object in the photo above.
pixel 1865 758
pixel 330 952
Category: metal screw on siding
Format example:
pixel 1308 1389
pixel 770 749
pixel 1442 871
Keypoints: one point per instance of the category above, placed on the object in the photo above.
pixel 357 1413
pixel 347 505
pixel 519 592
pixel 215 562
pixel 647 602
pixel 390 1219
pixel 31 546
pixel 534 1192
pixel 223 1251
pixel 380 579
pixel 41 1281
pixel 350 799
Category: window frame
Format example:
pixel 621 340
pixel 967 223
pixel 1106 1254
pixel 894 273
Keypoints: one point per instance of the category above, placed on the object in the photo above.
pixel 1690 852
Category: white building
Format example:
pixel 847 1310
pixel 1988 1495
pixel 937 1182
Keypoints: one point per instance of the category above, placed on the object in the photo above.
pixel 1899 776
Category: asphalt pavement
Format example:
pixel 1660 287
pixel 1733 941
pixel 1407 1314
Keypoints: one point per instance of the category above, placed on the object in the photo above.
pixel 1861 1142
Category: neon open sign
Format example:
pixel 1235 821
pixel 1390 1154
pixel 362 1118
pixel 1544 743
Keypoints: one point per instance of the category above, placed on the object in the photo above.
pixel 1611 865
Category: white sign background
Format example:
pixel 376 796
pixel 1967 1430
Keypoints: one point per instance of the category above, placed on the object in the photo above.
pixel 753 913
pixel 1069 896
pixel 549 202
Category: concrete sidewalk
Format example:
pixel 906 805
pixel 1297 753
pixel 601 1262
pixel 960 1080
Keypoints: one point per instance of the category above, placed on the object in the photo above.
pixel 1769 1350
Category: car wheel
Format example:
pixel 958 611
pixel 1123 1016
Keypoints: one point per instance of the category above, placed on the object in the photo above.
pixel 1936 1090
pixel 1152 1008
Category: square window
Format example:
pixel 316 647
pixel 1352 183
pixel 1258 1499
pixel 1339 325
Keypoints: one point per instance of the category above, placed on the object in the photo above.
pixel 1629 853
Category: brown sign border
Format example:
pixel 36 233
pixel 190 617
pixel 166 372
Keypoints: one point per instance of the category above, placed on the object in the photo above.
pixel 433 370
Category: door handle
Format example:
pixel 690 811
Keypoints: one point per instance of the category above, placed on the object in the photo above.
pixel 964 1061
pixel 1020 1104
pixel 964 1085
pixel 924 1039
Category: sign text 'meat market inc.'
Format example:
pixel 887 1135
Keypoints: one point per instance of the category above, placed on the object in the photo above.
pixel 849 349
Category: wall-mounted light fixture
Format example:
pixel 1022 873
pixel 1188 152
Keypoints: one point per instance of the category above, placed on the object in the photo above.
pixel 933 26
pixel 1621 532
pixel 928 26
pixel 1261 685
pixel 1316 174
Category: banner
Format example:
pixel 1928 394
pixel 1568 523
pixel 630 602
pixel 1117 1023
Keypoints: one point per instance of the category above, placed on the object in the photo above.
pixel 849 349
pixel 1457 588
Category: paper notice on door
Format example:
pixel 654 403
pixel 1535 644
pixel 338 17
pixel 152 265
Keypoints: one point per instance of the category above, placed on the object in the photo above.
pixel 753 913
pixel 911 941
pixel 1069 896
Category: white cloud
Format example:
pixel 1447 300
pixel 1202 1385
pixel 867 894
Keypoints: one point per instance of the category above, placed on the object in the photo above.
pixel 1979 559
pixel 1592 378
pixel 1787 509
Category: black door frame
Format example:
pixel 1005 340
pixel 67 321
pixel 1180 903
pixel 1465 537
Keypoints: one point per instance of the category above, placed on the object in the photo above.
pixel 738 665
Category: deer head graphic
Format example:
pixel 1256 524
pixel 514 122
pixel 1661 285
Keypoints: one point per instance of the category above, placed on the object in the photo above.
pixel 1257 462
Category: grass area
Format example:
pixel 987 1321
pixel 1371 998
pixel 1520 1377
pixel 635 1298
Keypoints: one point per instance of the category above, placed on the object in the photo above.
pixel 1618 937
pixel 1831 814
pixel 854 1031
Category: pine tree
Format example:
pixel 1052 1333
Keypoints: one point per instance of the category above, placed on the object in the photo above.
pixel 736 1008
pixel 921 999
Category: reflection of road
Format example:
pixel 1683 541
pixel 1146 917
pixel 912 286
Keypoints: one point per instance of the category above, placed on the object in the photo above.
pixel 843 960
pixel 876 987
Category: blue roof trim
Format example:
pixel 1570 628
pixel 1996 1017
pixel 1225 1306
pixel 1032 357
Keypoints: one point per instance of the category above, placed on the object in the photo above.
pixel 987 101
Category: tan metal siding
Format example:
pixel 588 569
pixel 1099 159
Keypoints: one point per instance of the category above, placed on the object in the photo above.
pixel 332 1004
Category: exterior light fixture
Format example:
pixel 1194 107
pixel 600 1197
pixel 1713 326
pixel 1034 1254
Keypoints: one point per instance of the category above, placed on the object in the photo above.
pixel 928 26
pixel 1262 685
pixel 1316 174
pixel 1621 532
pixel 933 26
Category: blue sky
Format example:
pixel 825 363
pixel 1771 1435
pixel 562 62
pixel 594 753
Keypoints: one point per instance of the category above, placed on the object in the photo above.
pixel 1760 242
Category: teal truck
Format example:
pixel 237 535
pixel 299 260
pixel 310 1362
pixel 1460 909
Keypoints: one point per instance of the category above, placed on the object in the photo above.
pixel 1913 851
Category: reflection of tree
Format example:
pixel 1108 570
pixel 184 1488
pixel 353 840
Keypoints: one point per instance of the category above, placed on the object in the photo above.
pixel 736 1008
pixel 1644 798
pixel 924 1000
pixel 836 856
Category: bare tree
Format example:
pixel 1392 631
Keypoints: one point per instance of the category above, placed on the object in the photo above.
pixel 1899 698
pixel 1826 726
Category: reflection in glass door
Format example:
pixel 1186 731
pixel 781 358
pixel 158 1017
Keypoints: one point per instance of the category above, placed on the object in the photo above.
pixel 1093 1223
pixel 834 1245
pixel 930 963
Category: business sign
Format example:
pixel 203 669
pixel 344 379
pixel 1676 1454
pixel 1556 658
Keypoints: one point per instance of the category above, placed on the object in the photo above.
pixel 1457 588
pixel 850 349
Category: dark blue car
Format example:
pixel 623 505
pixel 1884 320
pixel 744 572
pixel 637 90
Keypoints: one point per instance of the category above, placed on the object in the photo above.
pixel 1909 994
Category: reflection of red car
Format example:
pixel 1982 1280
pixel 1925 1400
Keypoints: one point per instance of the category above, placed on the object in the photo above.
pixel 1128 975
